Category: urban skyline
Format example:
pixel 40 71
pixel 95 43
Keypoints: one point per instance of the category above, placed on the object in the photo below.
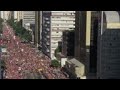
pixel 60 44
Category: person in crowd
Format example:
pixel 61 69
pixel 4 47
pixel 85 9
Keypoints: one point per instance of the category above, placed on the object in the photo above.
pixel 24 58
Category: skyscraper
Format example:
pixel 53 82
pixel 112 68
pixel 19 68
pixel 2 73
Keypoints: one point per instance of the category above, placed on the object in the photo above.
pixel 109 45
pixel 86 40
pixel 28 18
pixel 54 23
pixel 68 43
pixel 5 15
pixel 18 15
pixel 82 37
pixel 38 28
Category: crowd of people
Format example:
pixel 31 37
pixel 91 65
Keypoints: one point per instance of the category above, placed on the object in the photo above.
pixel 24 59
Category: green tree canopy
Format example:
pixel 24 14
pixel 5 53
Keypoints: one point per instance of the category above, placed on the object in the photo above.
pixel 55 63
pixel 1 21
pixel 57 50
pixel 20 31
pixel 3 66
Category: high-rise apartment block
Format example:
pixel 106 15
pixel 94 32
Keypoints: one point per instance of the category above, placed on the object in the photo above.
pixel 28 18
pixel 68 43
pixel 97 37
pixel 86 40
pixel 18 15
pixel 5 15
pixel 54 23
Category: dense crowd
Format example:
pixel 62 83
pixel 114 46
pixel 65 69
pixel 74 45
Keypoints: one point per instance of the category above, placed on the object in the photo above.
pixel 23 59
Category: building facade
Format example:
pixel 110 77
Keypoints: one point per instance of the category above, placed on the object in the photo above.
pixel 68 43
pixel 54 23
pixel 18 15
pixel 109 46
pixel 28 18
pixel 82 37
pixel 38 29
pixel 86 40
pixel 5 15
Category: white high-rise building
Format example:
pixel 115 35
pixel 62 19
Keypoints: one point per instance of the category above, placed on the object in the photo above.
pixel 1 14
pixel 28 18
pixel 54 23
pixel 18 15
pixel 15 15
pixel 5 15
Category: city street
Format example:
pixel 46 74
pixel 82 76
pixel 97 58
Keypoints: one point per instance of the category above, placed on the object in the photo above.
pixel 24 62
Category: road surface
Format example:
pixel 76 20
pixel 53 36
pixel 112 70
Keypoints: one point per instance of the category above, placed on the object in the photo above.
pixel 24 59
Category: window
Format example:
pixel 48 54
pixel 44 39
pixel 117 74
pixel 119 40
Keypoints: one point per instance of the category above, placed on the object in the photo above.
pixel 114 38
pixel 78 77
pixel 45 25
pixel 108 68
pixel 110 44
pixel 48 22
pixel 46 18
pixel 57 17
pixel 47 29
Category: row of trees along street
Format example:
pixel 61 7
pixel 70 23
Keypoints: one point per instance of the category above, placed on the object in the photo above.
pixel 25 35
pixel 2 63
pixel 20 31
pixel 1 21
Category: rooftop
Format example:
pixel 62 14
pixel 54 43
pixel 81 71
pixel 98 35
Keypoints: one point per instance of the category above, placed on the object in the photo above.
pixel 112 19
pixel 75 62
pixel 112 16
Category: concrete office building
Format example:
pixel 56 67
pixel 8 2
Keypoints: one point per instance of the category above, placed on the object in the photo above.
pixel 0 14
pixel 15 14
pixel 28 18
pixel 86 40
pixel 68 43
pixel 38 29
pixel 18 15
pixel 54 23
pixel 82 37
pixel 5 15
pixel 109 46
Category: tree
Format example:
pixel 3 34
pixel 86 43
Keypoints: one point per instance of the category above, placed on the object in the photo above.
pixel 3 66
pixel 20 31
pixel 56 51
pixel 1 21
pixel 55 63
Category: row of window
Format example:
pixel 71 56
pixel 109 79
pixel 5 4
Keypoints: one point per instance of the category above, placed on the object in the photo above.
pixel 62 20
pixel 63 17
pixel 63 25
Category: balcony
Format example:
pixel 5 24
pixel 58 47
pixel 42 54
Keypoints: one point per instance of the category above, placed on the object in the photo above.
pixel 63 26
pixel 48 50
pixel 47 29
pixel 46 40
pixel 45 32
pixel 63 22
pixel 47 43
pixel 56 36
pixel 48 36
